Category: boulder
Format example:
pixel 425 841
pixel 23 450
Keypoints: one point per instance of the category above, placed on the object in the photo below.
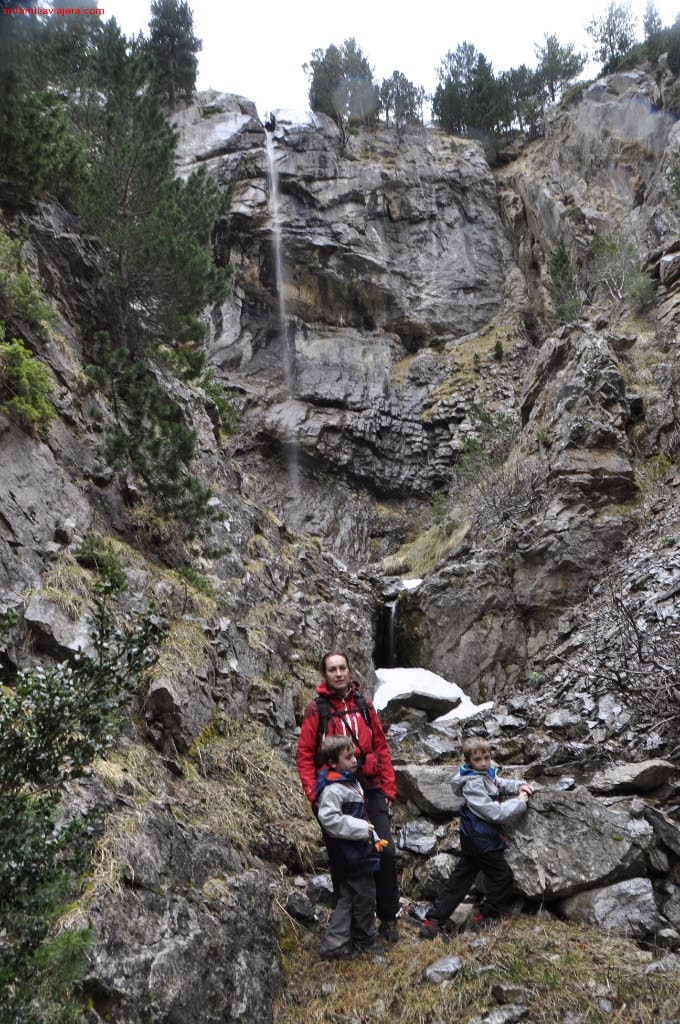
pixel 178 710
pixel 144 940
pixel 432 705
pixel 641 777
pixel 431 875
pixel 429 788
pixel 666 831
pixel 184 899
pixel 625 908
pixel 55 630
pixel 569 841
pixel 418 837
pixel 300 906
pixel 417 742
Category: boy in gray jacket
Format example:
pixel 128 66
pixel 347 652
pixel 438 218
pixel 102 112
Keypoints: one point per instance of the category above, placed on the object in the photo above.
pixel 351 844
pixel 482 842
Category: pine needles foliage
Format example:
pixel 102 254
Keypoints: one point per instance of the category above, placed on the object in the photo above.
pixel 148 435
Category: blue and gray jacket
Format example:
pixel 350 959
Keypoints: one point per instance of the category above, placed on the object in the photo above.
pixel 342 815
pixel 483 815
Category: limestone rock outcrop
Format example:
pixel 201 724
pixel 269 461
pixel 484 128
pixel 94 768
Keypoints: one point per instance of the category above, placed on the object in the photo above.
pixel 388 247
pixel 188 901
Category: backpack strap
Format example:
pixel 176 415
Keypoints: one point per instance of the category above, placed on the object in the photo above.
pixel 324 713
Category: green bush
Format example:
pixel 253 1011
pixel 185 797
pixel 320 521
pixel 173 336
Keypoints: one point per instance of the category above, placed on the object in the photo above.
pixel 97 552
pixel 215 390
pixel 564 285
pixel 19 295
pixel 53 722
pixel 25 386
pixel 196 580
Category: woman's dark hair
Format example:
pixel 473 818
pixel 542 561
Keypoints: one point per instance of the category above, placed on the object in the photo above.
pixel 332 654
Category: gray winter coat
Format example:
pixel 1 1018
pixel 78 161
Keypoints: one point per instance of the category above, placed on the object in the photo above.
pixel 481 793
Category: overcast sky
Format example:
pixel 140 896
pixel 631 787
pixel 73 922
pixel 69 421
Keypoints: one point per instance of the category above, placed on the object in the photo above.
pixel 257 49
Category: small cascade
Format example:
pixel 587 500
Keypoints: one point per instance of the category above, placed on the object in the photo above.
pixel 286 340
pixel 385 655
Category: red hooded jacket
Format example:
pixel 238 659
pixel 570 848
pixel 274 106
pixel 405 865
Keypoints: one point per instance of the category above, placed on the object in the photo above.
pixel 346 719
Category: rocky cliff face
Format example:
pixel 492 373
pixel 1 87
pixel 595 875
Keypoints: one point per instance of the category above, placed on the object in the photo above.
pixel 411 306
pixel 389 252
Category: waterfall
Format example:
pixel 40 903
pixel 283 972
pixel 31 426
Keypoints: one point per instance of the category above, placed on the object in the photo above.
pixel 286 341
pixel 385 654
pixel 391 616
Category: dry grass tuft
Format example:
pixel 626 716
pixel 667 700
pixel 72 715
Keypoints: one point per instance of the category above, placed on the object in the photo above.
pixel 134 772
pixel 562 970
pixel 419 556
pixel 186 649
pixel 67 577
pixel 238 787
pixel 132 769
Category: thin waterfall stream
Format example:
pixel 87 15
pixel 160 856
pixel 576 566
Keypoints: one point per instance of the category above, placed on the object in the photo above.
pixel 286 341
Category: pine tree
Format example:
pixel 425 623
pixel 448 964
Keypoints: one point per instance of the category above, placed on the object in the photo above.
pixel 342 86
pixel 613 33
pixel 403 99
pixel 525 95
pixel 173 46
pixel 41 149
pixel 558 66
pixel 469 98
pixel 651 21
pixel 157 228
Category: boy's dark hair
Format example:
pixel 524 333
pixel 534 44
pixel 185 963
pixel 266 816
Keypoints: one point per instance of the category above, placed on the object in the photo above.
pixel 332 654
pixel 472 744
pixel 333 746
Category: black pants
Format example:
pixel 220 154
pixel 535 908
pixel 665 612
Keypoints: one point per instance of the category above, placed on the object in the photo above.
pixel 386 883
pixel 498 876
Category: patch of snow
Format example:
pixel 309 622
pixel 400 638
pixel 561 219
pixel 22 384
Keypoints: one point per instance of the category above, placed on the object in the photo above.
pixel 411 584
pixel 400 682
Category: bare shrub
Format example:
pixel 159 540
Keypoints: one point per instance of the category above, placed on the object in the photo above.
pixel 498 489
pixel 630 646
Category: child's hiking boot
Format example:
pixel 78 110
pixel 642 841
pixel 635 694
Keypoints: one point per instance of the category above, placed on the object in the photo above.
pixel 480 922
pixel 375 949
pixel 389 931
pixel 417 912
pixel 430 928
pixel 345 952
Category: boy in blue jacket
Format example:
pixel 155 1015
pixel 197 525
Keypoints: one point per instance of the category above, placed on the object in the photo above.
pixel 351 847
pixel 482 842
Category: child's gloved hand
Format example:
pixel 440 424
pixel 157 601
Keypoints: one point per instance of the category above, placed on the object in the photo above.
pixel 379 843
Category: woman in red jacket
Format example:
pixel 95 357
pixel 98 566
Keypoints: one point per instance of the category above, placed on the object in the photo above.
pixel 341 709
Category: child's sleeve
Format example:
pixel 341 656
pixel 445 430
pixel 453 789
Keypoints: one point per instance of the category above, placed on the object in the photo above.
pixel 509 787
pixel 480 803
pixel 337 824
